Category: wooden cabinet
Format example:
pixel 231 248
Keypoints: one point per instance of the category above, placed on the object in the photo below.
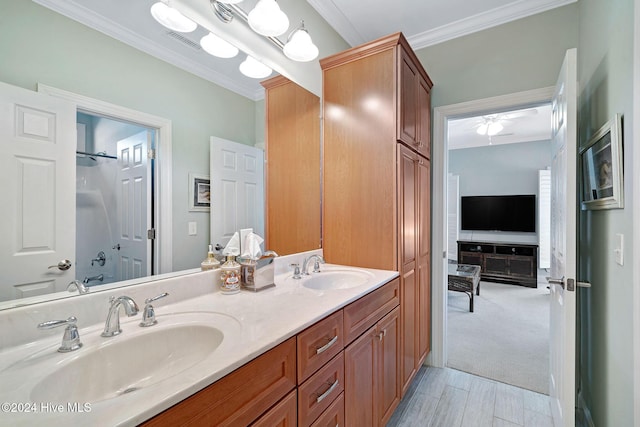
pixel 318 344
pixel 372 388
pixel 292 149
pixel 284 414
pixel 333 416
pixel 240 397
pixel 504 262
pixel 317 393
pixel 414 104
pixel 376 176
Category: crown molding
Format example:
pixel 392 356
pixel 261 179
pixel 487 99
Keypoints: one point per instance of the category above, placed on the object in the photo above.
pixel 74 10
pixel 336 19
pixel 482 21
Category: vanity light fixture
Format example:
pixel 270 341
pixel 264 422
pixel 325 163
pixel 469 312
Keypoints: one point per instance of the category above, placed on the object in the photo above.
pixel 255 69
pixel 216 46
pixel 172 18
pixel 267 19
pixel 299 45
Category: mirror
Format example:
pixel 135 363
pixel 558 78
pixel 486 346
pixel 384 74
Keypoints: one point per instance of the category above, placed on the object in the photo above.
pixel 65 54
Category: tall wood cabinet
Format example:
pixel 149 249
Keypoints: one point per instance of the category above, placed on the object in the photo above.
pixel 376 177
pixel 292 149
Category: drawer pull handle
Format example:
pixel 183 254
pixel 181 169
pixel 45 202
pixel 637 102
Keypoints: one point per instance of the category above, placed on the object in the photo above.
pixel 327 345
pixel 327 393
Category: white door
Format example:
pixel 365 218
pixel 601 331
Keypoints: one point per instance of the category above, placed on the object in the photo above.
pixel 38 174
pixel 237 189
pixel 134 193
pixel 453 214
pixel 563 245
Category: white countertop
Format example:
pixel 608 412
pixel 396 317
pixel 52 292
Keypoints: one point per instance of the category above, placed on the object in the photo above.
pixel 256 322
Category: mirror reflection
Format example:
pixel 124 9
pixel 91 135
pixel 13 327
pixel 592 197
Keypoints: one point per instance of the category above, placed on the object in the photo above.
pixel 64 54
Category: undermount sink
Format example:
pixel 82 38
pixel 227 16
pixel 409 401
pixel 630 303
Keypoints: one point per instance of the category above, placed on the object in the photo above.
pixel 127 363
pixel 337 279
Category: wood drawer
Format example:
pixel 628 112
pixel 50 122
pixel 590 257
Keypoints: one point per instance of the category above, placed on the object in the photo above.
pixel 333 416
pixel 319 391
pixel 365 312
pixel 318 344
pixel 240 397
pixel 284 414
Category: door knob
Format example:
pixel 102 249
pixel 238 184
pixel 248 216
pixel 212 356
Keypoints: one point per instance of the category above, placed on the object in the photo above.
pixel 63 265
pixel 553 281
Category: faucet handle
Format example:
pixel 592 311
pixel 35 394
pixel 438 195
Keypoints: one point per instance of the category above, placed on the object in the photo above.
pixel 296 270
pixel 71 337
pixel 77 285
pixel 316 265
pixel 149 313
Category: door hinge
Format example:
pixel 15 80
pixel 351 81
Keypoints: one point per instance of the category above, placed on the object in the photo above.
pixel 151 234
pixel 151 153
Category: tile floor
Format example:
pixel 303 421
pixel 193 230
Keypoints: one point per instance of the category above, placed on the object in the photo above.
pixel 448 398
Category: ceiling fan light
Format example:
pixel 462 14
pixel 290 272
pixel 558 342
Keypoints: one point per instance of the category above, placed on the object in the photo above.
pixel 482 129
pixel 494 128
pixel 300 47
pixel 253 68
pixel 216 46
pixel 172 18
pixel 267 19
pixel 230 1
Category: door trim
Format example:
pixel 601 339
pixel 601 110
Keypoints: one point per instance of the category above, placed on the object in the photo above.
pixel 163 257
pixel 636 208
pixel 440 158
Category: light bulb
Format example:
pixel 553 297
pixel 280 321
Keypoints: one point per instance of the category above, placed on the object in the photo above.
pixel 216 46
pixel 267 19
pixel 300 47
pixel 482 129
pixel 494 128
pixel 255 69
pixel 172 18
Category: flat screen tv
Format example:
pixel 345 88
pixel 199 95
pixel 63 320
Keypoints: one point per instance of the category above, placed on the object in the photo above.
pixel 499 213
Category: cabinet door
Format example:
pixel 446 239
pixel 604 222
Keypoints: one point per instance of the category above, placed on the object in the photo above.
pixel 360 371
pixel 388 396
pixel 408 204
pixel 284 414
pixel 407 123
pixel 424 118
pixel 424 257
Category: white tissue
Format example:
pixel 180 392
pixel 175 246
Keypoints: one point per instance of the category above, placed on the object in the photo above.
pixel 233 247
pixel 251 248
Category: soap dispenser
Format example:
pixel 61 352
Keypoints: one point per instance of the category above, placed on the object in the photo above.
pixel 210 261
pixel 230 276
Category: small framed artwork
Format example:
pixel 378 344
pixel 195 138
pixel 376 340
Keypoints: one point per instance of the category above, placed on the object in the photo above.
pixel 601 161
pixel 199 193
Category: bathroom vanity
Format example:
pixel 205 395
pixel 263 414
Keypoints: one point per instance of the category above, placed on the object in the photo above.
pixel 302 351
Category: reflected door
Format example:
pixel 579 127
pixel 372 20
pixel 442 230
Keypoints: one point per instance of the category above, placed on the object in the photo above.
pixel 37 171
pixel 237 189
pixel 134 213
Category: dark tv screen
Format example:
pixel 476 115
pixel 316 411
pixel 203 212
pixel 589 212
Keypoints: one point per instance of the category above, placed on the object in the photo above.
pixel 499 213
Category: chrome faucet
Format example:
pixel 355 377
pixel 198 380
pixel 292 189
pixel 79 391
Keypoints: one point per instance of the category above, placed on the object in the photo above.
pixel 77 285
pixel 112 325
pixel 316 264
pixel 99 277
pixel 71 337
pixel 149 313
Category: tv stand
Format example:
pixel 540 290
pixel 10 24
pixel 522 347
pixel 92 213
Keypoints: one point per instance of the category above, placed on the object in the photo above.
pixel 514 263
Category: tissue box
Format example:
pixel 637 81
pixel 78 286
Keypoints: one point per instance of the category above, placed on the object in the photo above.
pixel 257 275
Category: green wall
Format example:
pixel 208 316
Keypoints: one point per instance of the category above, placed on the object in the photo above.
pixel 41 46
pixel 605 68
pixel 517 56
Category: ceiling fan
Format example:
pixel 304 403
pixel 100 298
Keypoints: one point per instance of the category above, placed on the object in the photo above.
pixel 492 124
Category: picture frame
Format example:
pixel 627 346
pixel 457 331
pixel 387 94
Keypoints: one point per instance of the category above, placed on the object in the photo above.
pixel 199 193
pixel 601 166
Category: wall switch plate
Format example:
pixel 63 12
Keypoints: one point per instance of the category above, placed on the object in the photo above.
pixel 619 251
pixel 193 228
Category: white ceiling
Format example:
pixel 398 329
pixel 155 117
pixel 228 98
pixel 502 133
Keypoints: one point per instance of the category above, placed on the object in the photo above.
pixel 423 22
pixel 522 125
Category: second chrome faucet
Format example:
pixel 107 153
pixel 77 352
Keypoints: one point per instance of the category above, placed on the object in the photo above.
pixel 112 325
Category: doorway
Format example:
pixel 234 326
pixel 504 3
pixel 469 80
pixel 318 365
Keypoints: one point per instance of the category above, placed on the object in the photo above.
pixel 114 193
pixel 442 115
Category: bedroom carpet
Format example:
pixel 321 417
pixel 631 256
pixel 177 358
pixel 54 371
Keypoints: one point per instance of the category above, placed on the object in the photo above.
pixel 507 337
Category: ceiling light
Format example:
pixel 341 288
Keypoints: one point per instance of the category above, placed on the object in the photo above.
pixel 299 45
pixel 171 18
pixel 230 1
pixel 216 46
pixel 255 69
pixel 267 19
pixel 490 127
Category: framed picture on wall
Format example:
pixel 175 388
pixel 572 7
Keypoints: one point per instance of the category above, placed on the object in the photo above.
pixel 199 193
pixel 601 164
